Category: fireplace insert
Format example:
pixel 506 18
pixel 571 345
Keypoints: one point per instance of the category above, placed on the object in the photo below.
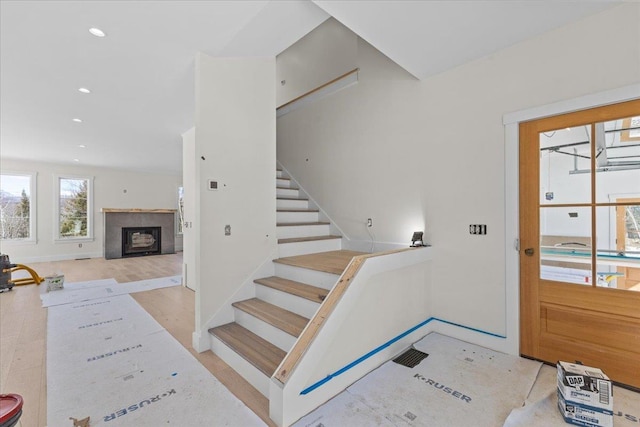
pixel 139 241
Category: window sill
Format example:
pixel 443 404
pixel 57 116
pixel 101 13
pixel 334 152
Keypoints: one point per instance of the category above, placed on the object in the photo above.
pixel 73 240
pixel 16 242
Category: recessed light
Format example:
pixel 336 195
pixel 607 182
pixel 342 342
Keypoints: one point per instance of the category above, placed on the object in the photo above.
pixel 568 128
pixel 84 90
pixel 82 146
pixel 76 160
pixel 97 32
pixel 77 120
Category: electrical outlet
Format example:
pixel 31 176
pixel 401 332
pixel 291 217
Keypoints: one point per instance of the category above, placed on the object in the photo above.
pixel 478 229
pixel 369 222
pixel 227 230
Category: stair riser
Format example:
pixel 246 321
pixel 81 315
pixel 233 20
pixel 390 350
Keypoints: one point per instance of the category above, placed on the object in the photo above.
pixel 298 305
pixel 292 204
pixel 304 275
pixel 280 182
pixel 249 372
pixel 279 174
pixel 288 232
pixel 287 192
pixel 297 216
pixel 275 336
pixel 304 248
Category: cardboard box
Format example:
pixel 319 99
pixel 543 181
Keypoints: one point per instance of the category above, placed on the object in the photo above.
pixel 585 395
pixel 582 415
pixel 54 283
pixel 585 385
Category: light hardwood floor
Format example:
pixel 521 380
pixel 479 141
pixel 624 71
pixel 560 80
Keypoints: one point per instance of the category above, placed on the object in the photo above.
pixel 23 326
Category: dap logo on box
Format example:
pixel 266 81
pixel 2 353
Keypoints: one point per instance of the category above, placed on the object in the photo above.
pixel 575 381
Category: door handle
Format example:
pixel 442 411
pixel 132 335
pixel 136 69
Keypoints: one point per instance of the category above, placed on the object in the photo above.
pixel 529 252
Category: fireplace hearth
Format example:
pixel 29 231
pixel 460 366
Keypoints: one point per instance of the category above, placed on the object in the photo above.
pixel 140 241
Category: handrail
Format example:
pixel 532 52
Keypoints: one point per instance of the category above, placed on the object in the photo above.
pixel 355 70
pixel 308 335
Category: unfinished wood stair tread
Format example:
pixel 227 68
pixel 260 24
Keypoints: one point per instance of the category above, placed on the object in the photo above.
pixel 286 188
pixel 302 290
pixel 308 239
pixel 255 350
pixel 285 320
pixel 333 262
pixel 300 224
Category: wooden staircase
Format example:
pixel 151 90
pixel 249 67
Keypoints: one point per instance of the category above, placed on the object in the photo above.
pixel 266 326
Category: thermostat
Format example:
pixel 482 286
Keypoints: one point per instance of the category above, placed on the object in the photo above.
pixel 213 185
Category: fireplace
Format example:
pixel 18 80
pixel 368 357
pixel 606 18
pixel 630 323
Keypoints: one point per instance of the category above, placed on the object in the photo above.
pixel 116 220
pixel 139 241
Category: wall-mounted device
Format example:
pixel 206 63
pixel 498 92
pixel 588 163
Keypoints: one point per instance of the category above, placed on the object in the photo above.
pixel 478 229
pixel 416 239
pixel 212 185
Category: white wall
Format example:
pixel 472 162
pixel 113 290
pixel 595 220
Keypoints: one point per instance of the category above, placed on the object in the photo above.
pixel 314 60
pixel 235 146
pixel 143 190
pixel 430 154
pixel 191 200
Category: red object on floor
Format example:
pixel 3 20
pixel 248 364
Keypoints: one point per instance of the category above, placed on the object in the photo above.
pixel 10 409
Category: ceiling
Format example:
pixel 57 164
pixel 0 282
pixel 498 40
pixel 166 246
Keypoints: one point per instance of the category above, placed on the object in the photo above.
pixel 141 75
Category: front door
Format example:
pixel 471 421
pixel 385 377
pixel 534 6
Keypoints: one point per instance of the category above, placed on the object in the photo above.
pixel 579 245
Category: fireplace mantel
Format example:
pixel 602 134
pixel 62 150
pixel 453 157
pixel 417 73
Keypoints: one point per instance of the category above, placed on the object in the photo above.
pixel 136 210
pixel 115 219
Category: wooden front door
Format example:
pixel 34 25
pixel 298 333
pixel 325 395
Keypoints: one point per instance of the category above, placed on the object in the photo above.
pixel 578 298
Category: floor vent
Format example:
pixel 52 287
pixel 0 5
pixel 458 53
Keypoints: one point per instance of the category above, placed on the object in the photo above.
pixel 410 358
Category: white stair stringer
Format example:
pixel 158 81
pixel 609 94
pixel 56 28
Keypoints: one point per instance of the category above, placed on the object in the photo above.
pixel 249 372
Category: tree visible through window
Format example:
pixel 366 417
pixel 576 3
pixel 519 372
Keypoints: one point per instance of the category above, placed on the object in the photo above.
pixel 15 207
pixel 73 207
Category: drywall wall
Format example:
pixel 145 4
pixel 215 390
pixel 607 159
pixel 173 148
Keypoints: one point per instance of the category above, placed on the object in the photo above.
pixel 112 188
pixel 314 60
pixel 430 154
pixel 235 147
pixel 191 198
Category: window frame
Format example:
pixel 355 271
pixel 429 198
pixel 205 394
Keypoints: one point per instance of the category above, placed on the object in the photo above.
pixel 33 229
pixel 56 217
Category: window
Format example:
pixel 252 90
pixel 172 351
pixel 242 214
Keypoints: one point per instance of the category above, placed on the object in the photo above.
pixel 74 208
pixel 180 227
pixel 17 206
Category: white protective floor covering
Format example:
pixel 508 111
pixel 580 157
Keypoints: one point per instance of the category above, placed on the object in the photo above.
pixel 109 359
pixel 93 289
pixel 541 407
pixel 458 384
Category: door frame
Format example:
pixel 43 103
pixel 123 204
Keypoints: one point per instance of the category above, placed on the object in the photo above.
pixel 511 122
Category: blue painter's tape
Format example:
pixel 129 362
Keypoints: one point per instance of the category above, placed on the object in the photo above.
pixel 387 344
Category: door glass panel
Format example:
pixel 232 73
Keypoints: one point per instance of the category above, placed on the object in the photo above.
pixel 618 260
pixel 565 244
pixel 565 165
pixel 617 158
